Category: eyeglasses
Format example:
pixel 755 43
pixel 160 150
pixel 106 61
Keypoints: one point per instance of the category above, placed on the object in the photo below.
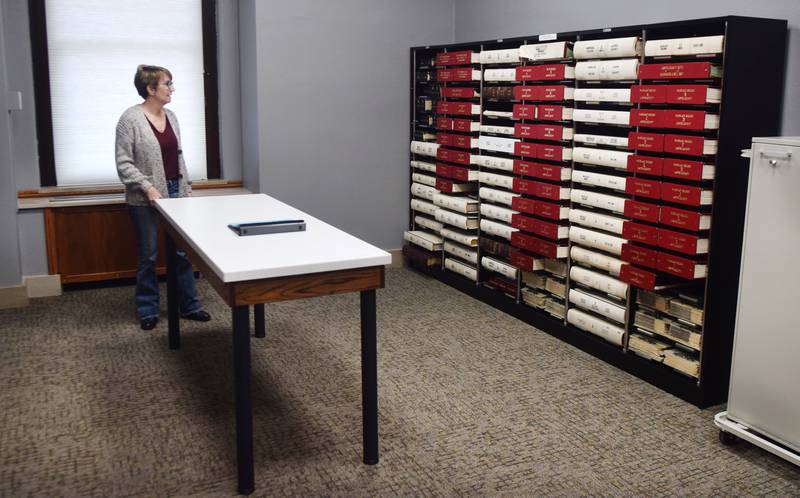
pixel 169 84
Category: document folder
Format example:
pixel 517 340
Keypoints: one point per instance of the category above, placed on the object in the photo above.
pixel 262 227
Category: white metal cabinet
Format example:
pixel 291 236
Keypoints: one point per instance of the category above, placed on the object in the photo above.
pixel 764 396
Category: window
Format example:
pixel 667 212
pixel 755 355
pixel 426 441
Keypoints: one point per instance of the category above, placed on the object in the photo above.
pixel 85 55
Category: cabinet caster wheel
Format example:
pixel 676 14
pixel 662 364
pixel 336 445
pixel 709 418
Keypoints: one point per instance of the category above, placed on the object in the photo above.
pixel 727 438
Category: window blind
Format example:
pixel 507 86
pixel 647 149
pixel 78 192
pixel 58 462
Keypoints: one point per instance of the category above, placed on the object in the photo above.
pixel 93 48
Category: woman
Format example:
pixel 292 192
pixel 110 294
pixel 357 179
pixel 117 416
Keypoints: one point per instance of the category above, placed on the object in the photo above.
pixel 150 164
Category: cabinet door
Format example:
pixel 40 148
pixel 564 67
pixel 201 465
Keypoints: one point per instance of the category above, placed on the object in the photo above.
pixel 766 371
pixel 92 243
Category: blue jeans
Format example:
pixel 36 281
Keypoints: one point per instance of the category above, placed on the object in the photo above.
pixel 145 223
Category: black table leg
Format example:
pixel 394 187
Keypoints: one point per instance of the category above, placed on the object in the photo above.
pixel 244 403
pixel 173 321
pixel 369 376
pixel 260 324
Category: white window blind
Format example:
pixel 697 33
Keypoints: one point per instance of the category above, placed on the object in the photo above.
pixel 94 47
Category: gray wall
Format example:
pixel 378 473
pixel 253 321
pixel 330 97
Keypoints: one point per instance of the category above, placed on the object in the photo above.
pixel 484 20
pixel 325 88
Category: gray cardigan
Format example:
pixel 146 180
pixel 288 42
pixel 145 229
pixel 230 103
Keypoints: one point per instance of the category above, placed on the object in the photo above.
pixel 139 162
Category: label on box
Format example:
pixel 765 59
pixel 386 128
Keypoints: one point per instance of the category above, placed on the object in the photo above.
pixel 683 168
pixel 524 111
pixel 641 256
pixel 458 92
pixel 686 94
pixel 640 233
pixel 681 194
pixel 550 152
pixel 643 188
pixel 526 92
pixel 549 132
pixel 684 144
pixel 650 142
pixel 550 112
pixel 637 277
pixel 522 130
pixel 453 156
pixel 641 211
pixel 698 70
pixel 649 94
pixel 525 149
pixel 676 265
pixel 681 218
pixel 684 119
pixel 677 241
pixel 652 118
pixel 648 165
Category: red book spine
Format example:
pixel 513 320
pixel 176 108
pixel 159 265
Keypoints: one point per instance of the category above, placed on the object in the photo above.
pixel 686 94
pixel 457 92
pixel 684 169
pixel 681 194
pixel 550 152
pixel 684 144
pixel 521 260
pixel 464 125
pixel 443 185
pixel 641 211
pixel 522 130
pixel 534 244
pixel 462 108
pixel 643 188
pixel 453 58
pixel 537 207
pixel 444 123
pixel 648 94
pixel 647 165
pixel 525 149
pixel 550 112
pixel 551 92
pixel 444 75
pixel 541 72
pixel 651 118
pixel 502 284
pixel 549 132
pixel 650 142
pixel 678 241
pixel 535 226
pixel 524 111
pixel 637 277
pixel 641 256
pixel 526 92
pixel 453 156
pixel 676 265
pixel 443 170
pixel 684 119
pixel 455 74
pixel 675 70
pixel 547 191
pixel 459 173
pixel 537 170
pixel 681 218
pixel 640 233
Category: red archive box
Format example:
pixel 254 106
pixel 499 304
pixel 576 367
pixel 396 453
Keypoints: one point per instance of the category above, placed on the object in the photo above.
pixel 536 226
pixel 538 246
pixel 676 70
pixel 524 111
pixel 453 156
pixel 537 207
pixel 638 255
pixel 640 233
pixel 643 187
pixel 650 142
pixel 538 170
pixel 542 72
pixel 454 58
pixel 648 165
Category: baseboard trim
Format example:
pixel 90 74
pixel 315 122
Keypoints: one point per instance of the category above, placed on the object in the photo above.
pixel 42 285
pixel 13 297
pixel 397 258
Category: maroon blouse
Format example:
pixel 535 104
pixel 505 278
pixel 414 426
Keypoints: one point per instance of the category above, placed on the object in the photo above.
pixel 169 150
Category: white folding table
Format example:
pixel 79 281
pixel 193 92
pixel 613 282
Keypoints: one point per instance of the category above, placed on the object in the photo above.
pixel 258 269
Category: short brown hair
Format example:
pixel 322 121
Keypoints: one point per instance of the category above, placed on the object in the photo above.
pixel 147 76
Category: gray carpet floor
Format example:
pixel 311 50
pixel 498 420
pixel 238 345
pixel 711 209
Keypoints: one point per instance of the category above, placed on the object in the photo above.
pixel 472 403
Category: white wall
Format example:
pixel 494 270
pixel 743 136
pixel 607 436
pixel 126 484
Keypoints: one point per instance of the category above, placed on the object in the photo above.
pixel 325 103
